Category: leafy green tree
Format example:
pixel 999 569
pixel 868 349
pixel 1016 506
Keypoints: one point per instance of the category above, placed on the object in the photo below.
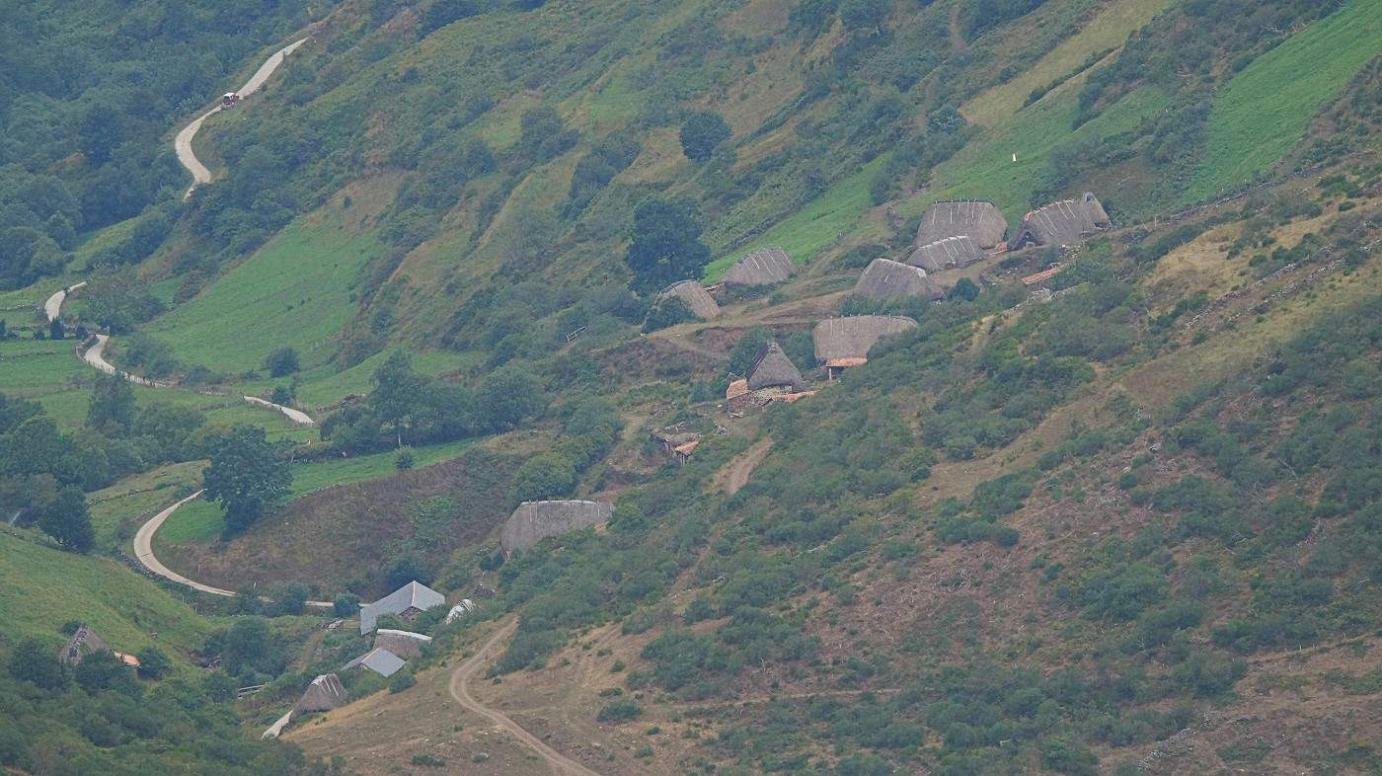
pixel 32 662
pixel 153 663
pixel 863 14
pixel 282 362
pixel 346 605
pixel 68 522
pixel 666 245
pixel 112 408
pixel 512 395
pixel 246 475
pixel 544 476
pixel 702 133
pixel 397 394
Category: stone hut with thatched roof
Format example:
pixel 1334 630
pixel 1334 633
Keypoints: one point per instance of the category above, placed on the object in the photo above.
pixel 980 221
pixel 1063 223
pixel 888 279
pixel 761 268
pixel 773 369
pixel 845 342
pixel 693 294
pixel 324 694
pixel 959 251
pixel 82 643
pixel 534 521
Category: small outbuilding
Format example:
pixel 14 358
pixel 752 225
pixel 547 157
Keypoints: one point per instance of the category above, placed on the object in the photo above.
pixel 1067 222
pixel 841 343
pixel 945 254
pixel 773 369
pixel 693 294
pixel 407 602
pixel 980 221
pixel 888 279
pixel 405 644
pixel 534 521
pixel 83 642
pixel 761 268
pixel 324 694
pixel 380 661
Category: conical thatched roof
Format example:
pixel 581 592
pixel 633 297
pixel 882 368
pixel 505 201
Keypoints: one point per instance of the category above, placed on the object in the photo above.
pixel 959 251
pixel 852 338
pixel 697 299
pixel 761 268
pixel 324 693
pixel 980 221
pixel 773 369
pixel 888 279
pixel 1063 223
pixel 84 642
pixel 534 521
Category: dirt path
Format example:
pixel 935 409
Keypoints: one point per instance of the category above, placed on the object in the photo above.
pixel 182 143
pixel 53 307
pixel 460 690
pixel 736 474
pixel 144 552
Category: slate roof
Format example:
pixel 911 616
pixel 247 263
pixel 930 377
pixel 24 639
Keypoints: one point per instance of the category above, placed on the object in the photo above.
pixel 413 595
pixel 380 661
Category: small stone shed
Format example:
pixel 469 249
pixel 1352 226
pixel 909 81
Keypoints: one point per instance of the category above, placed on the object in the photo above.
pixel 405 644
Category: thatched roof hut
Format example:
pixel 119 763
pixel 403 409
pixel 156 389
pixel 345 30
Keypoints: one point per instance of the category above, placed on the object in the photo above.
pixel 959 251
pixel 697 299
pixel 82 643
pixel 773 369
pixel 888 279
pixel 847 341
pixel 761 268
pixel 534 521
pixel 1063 223
pixel 405 644
pixel 324 693
pixel 980 221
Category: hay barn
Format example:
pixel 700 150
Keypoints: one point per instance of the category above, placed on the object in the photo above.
pixel 761 268
pixel 773 369
pixel 1063 223
pixel 888 279
pixel 944 254
pixel 697 299
pixel 407 602
pixel 980 221
pixel 534 521
pixel 845 342
pixel 324 694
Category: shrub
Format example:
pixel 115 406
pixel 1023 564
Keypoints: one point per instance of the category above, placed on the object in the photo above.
pixel 282 362
pixel 401 681
pixel 701 133
pixel 619 711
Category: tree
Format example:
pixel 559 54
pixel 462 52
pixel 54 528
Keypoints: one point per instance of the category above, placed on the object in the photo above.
pixel 282 362
pixel 56 331
pixel 544 476
pixel 112 405
pixel 153 663
pixel 346 605
pixel 666 245
pixel 512 395
pixel 246 475
pixel 397 394
pixel 67 521
pixel 32 662
pixel 701 133
pixel 863 14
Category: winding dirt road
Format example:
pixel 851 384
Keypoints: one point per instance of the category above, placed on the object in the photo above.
pixel 460 690
pixel 144 552
pixel 53 306
pixel 182 143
